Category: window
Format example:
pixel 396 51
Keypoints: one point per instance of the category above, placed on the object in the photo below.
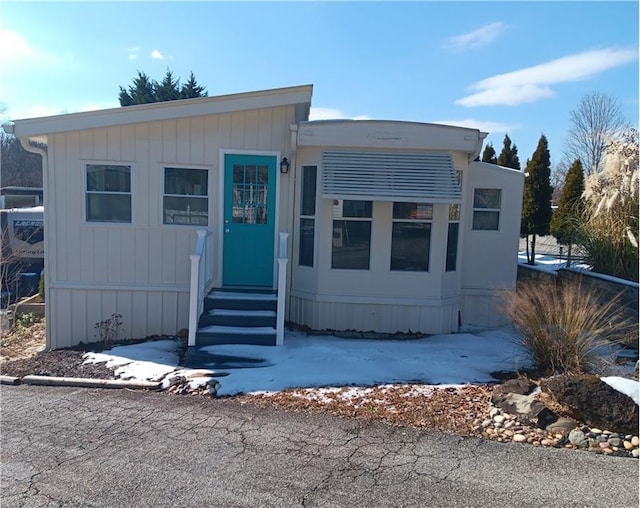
pixel 108 193
pixel 185 199
pixel 411 236
pixel 250 194
pixel 307 215
pixel 452 238
pixel 351 241
pixel 486 209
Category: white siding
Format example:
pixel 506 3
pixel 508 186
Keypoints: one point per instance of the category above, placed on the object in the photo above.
pixel 377 299
pixel 490 258
pixel 140 270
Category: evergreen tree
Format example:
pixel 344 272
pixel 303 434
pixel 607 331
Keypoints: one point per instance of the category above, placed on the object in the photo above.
pixel 536 204
pixel 192 89
pixel 142 91
pixel 489 154
pixel 509 155
pixel 145 90
pixel 168 89
pixel 566 219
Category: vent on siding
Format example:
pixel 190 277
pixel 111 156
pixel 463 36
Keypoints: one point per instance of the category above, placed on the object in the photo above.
pixel 390 177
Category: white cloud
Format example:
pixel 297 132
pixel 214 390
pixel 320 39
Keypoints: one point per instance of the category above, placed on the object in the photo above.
pixel 477 38
pixel 484 126
pixel 133 52
pixel 507 96
pixel 528 84
pixel 332 114
pixel 157 55
pixel 15 49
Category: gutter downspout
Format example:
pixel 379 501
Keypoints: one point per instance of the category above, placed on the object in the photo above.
pixel 26 144
pixel 478 148
pixel 293 178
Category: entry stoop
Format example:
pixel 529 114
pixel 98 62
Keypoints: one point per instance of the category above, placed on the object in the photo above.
pixel 238 316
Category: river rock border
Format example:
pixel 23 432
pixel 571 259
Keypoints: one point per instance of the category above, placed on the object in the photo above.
pixel 564 433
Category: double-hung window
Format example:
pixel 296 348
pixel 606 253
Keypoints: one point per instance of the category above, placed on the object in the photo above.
pixel 411 236
pixel 108 193
pixel 486 209
pixel 351 242
pixel 452 238
pixel 185 199
pixel 307 215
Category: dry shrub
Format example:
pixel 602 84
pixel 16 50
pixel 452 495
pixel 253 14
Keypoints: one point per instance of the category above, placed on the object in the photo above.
pixel 567 328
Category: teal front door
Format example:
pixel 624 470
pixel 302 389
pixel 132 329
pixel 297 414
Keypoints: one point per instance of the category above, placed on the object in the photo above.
pixel 249 220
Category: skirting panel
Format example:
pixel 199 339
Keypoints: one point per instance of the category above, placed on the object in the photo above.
pixel 374 317
pixel 483 307
pixel 73 313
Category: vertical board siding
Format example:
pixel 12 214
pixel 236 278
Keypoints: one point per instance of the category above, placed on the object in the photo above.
pixel 196 140
pixel 145 253
pixel 144 313
pixel 382 317
pixel 183 140
pixel 251 130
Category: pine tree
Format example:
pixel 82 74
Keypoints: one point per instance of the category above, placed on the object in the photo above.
pixel 509 156
pixel 536 204
pixel 168 89
pixel 192 89
pixel 142 91
pixel 489 154
pixel 145 90
pixel 566 219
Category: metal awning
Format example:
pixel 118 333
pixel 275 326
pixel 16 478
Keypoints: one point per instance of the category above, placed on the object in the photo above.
pixel 375 176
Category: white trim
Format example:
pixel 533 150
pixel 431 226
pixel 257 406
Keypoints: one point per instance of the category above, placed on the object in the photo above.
pixel 105 286
pixel 374 300
pixel 161 168
pixel 85 220
pixel 265 153
pixel 167 110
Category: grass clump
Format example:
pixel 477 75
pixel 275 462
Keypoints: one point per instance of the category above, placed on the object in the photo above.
pixel 566 328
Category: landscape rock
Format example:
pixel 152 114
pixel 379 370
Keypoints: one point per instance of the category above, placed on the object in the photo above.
pixel 519 386
pixel 527 408
pixel 577 438
pixel 561 426
pixel 588 399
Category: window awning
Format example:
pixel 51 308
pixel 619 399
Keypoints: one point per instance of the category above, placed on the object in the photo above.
pixel 375 176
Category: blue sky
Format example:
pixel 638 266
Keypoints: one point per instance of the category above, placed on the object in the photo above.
pixel 516 67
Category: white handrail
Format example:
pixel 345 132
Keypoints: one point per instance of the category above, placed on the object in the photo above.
pixel 198 282
pixel 282 288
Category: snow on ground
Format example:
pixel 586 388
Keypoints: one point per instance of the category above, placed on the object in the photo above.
pixel 326 361
pixel 317 361
pixel 549 263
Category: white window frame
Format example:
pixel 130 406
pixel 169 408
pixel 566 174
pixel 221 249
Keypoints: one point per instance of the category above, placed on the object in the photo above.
pixel 354 219
pixel 481 209
pixel 86 192
pixel 454 220
pixel 208 196
pixel 313 217
pixel 412 221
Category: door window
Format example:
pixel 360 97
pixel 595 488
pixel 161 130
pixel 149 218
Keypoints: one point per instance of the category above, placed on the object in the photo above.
pixel 249 194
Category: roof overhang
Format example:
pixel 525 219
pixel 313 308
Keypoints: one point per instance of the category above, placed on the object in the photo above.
pixel 169 110
pixel 386 134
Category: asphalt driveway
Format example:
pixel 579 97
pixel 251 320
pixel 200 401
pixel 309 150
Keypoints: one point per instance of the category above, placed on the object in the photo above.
pixel 80 447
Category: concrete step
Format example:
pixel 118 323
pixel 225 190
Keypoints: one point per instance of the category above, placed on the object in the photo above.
pixel 240 300
pixel 232 317
pixel 256 335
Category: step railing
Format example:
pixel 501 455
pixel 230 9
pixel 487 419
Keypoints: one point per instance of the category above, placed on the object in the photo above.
pixel 201 277
pixel 282 287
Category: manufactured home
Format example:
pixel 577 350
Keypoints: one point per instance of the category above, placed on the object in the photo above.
pixel 230 215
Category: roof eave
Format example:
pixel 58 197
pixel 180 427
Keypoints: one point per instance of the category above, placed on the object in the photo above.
pixel 163 111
